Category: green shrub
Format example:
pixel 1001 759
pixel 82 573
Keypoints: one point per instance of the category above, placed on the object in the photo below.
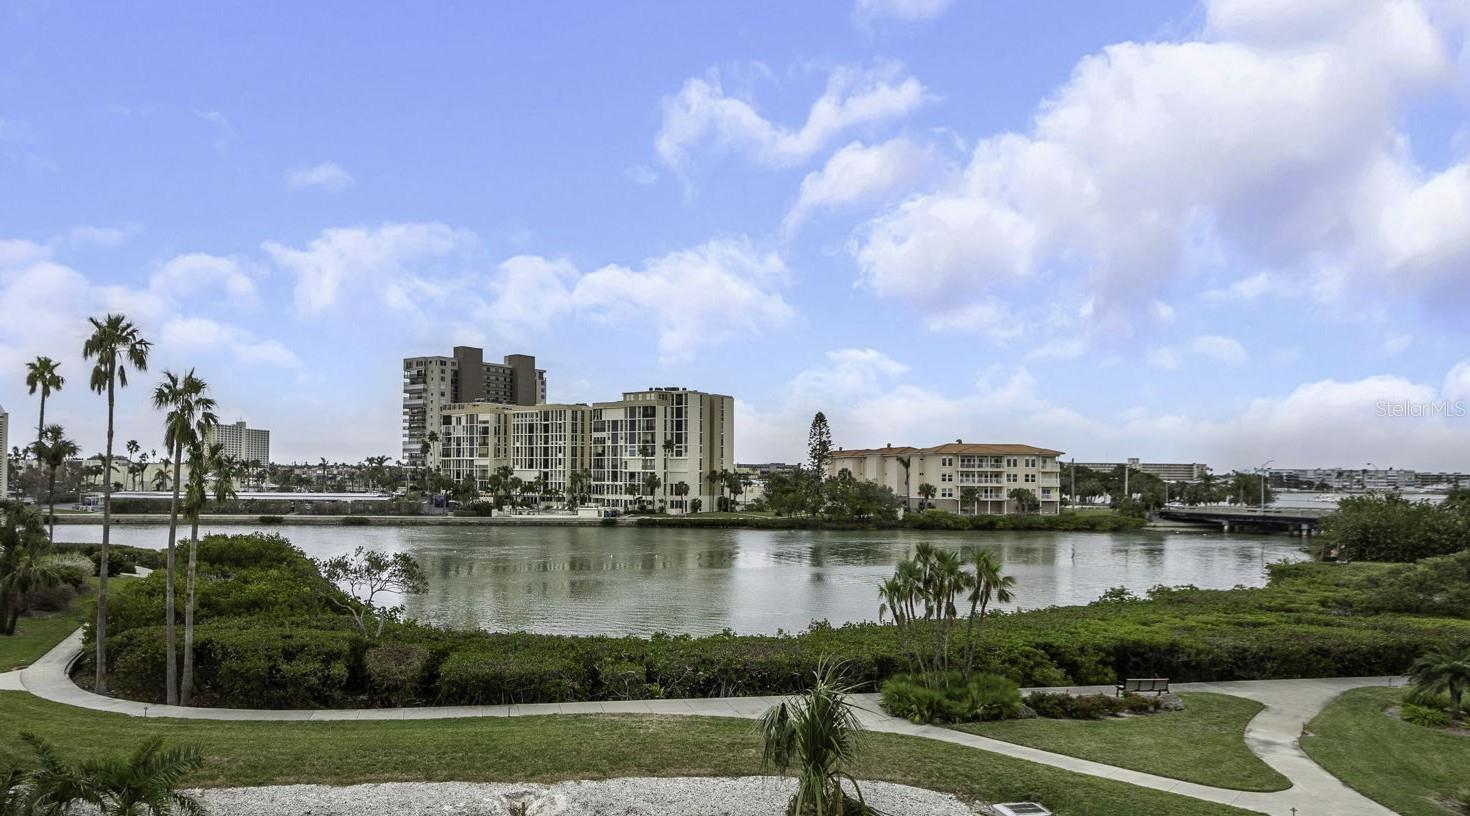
pixel 394 672
pixel 1428 699
pixel 356 521
pixel 479 677
pixel 1422 715
pixel 1063 706
pixel 478 508
pixel 270 520
pixel 985 697
pixel 74 568
pixel 626 680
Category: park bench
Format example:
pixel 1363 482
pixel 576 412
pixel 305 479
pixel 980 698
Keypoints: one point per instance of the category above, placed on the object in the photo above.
pixel 1141 685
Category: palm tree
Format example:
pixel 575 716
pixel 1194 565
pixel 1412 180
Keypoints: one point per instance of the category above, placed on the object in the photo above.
pixel 926 494
pixel 133 447
pixel 146 782
pixel 651 483
pixel 53 450
pixel 41 374
pixel 1446 669
pixel 971 496
pixel 817 733
pixel 681 489
pixel 986 584
pixel 116 343
pixel 190 416
pixel 905 462
pixel 26 565
pixel 203 461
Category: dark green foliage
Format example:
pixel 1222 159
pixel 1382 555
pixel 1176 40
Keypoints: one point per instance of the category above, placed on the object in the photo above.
pixel 482 677
pixel 1433 586
pixel 1423 715
pixel 394 672
pixel 120 557
pixel 985 697
pixel 1392 528
pixel 475 509
pixel 922 520
pixel 1062 706
pixel 271 520
pixel 356 521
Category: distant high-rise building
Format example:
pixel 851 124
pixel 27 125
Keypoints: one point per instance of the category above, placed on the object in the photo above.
pixel 245 444
pixel 432 384
pixel 654 447
pixel 4 453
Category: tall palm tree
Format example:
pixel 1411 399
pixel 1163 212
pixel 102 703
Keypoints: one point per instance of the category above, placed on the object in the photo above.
pixel 116 343
pixel 986 585
pixel 204 461
pixel 42 375
pixel 971 496
pixel 132 447
pixel 190 416
pixel 926 495
pixel 1445 669
pixel 905 462
pixel 54 450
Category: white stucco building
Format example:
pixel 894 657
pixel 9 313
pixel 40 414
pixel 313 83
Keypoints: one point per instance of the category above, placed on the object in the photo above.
pixel 992 470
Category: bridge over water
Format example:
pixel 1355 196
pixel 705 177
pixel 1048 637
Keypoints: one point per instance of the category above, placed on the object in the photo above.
pixel 1293 520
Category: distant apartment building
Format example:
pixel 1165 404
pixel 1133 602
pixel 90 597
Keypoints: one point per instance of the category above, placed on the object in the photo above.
pixel 993 470
pixel 241 442
pixel 4 453
pixel 673 434
pixel 1383 479
pixel 432 384
pixel 1168 471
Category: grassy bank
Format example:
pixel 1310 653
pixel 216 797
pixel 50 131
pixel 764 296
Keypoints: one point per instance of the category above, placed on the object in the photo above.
pixel 1408 768
pixel 1204 743
pixel 265 615
pixel 549 749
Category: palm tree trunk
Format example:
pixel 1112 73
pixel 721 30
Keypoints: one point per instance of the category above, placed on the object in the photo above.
pixel 186 683
pixel 41 423
pixel 51 505
pixel 100 681
pixel 171 669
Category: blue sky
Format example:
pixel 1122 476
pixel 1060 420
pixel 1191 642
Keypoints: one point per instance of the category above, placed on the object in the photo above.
pixel 1219 232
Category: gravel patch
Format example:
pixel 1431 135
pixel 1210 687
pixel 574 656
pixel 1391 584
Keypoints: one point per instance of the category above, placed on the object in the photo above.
pixel 675 796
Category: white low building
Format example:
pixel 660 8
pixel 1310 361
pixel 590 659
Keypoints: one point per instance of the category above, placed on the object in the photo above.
pixel 967 478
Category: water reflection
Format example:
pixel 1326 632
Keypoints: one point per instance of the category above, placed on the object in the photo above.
pixel 638 581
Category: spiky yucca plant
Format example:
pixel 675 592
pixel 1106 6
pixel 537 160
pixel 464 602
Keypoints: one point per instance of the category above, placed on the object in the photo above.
pixel 817 734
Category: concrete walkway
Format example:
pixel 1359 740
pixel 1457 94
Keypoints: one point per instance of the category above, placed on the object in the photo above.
pixel 1272 735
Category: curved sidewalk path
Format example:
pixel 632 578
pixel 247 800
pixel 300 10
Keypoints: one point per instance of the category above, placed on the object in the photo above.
pixel 1272 735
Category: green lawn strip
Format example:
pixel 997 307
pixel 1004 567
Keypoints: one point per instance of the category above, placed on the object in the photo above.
pixel 1406 768
pixel 548 749
pixel 1204 743
pixel 37 632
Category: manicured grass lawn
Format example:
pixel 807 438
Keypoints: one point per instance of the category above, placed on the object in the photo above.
pixel 546 749
pixel 37 632
pixel 1405 767
pixel 1204 743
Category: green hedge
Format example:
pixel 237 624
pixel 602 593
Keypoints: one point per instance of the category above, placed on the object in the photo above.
pixel 920 520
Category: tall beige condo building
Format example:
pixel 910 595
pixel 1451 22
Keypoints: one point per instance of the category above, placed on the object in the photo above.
pixel 675 435
pixel 4 453
pixel 241 442
pixel 993 470
pixel 432 384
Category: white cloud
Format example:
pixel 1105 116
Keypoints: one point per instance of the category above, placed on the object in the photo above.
pixel 1323 423
pixel 1272 136
pixel 1225 350
pixel 859 173
pixel 1165 359
pixel 327 176
pixel 905 10
pixel 192 273
pixel 641 174
pixel 1397 343
pixel 703 112
pixel 693 298
pixel 87 234
pixel 225 132
pixel 203 333
pixel 393 265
